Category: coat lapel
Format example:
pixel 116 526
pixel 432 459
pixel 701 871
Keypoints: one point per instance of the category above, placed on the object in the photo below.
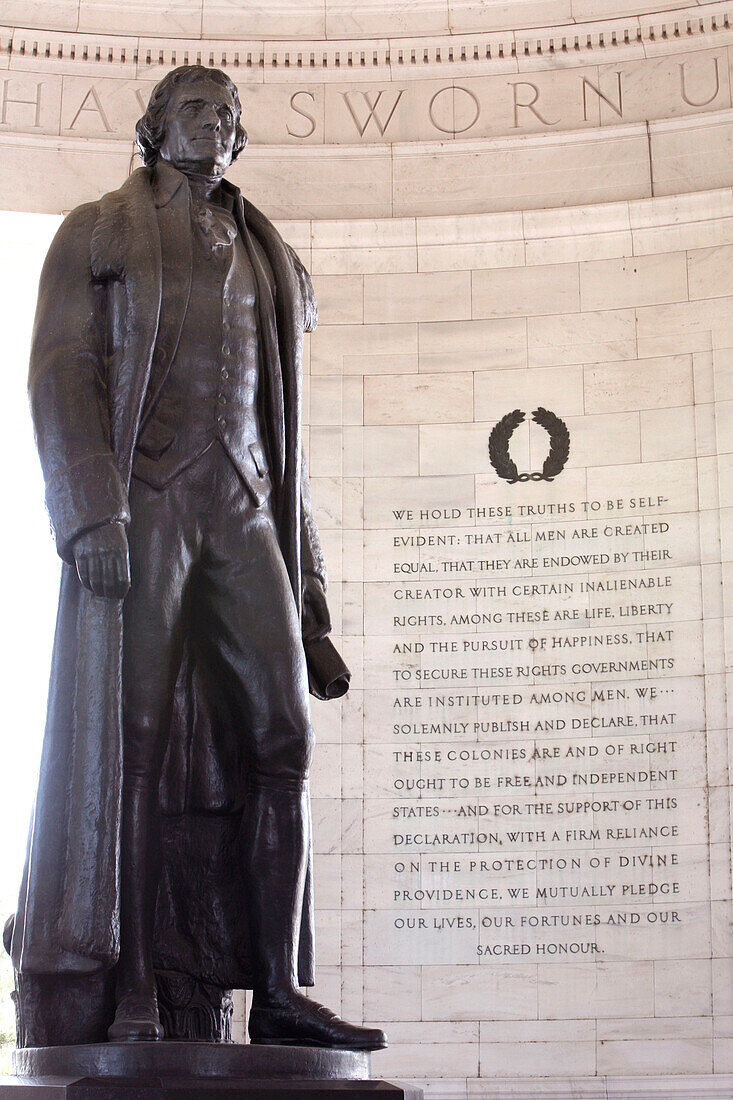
pixel 289 320
pixel 126 252
pixel 270 352
pixel 172 202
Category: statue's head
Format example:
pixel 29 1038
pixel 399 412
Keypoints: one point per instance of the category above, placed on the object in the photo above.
pixel 193 121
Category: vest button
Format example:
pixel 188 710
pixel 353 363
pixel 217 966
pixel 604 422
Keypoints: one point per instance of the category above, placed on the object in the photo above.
pixel 227 350
pixel 224 373
pixel 222 399
pixel 222 422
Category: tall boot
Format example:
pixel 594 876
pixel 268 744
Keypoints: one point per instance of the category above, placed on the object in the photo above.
pixel 275 860
pixel 137 1016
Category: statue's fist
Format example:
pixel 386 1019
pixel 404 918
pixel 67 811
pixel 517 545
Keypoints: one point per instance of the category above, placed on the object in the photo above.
pixel 103 561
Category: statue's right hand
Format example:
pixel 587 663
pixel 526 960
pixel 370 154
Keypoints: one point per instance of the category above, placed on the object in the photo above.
pixel 103 561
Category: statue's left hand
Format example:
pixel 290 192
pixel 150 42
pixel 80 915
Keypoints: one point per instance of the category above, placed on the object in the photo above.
pixel 103 561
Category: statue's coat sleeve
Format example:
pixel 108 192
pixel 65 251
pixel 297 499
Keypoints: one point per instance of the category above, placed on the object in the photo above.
pixel 88 375
pixel 68 389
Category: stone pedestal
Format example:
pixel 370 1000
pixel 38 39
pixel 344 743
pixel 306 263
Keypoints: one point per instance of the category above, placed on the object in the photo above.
pixel 188 1071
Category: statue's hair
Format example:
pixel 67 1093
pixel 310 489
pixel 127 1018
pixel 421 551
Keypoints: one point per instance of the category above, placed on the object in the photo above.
pixel 150 130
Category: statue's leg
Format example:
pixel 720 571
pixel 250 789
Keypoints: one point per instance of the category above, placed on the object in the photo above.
pixel 162 546
pixel 254 642
pixel 136 1015
pixel 274 856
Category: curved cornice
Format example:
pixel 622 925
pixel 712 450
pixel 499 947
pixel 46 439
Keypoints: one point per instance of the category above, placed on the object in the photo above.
pixel 328 20
pixel 561 45
pixel 567 115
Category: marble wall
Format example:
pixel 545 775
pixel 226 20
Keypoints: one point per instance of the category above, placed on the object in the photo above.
pixel 522 809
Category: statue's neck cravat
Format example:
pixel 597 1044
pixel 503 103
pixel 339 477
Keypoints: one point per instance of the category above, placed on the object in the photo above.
pixel 215 225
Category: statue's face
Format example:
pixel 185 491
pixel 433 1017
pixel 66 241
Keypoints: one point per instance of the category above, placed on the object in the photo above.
pixel 200 128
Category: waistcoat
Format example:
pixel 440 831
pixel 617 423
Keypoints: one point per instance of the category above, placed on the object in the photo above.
pixel 212 388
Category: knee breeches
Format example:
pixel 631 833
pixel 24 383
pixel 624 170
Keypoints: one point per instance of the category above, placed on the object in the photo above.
pixel 205 558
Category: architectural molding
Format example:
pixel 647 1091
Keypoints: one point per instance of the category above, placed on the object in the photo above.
pixel 572 43
pixel 333 108
pixel 327 20
pixel 568 115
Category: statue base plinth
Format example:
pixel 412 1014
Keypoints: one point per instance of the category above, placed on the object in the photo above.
pixel 190 1071
pixel 193 1088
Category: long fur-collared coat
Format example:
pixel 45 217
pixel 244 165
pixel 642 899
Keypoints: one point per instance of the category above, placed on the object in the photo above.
pixel 112 300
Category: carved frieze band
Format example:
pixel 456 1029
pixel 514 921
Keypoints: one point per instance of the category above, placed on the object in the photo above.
pixel 403 54
pixel 34 101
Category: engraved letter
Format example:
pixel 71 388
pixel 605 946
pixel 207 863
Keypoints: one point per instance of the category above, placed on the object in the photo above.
pixel 587 84
pixel 699 102
pixel 530 105
pixel 454 129
pixel 299 111
pixel 372 110
pixel 31 102
pixel 96 107
pixel 141 99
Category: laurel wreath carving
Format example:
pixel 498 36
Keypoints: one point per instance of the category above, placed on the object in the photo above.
pixel 502 432
pixel 559 442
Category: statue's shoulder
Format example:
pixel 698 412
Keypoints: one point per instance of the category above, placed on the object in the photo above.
pixel 78 223
pixel 97 230
pixel 117 214
pixel 137 184
pixel 69 251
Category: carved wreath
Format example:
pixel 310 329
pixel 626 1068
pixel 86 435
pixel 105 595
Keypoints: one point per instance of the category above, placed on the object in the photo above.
pixel 559 446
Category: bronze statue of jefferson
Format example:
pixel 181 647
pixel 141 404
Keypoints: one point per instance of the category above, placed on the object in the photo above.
pixel 172 825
